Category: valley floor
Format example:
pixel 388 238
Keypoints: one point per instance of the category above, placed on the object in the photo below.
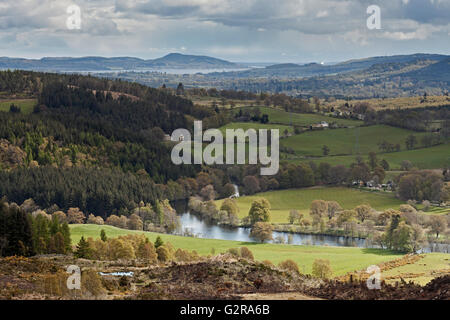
pixel 342 259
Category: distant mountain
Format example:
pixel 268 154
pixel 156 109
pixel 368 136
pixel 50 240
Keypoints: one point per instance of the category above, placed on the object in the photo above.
pixel 64 64
pixel 439 71
pixel 392 76
pixel 292 70
pixel 360 64
pixel 177 60
pixel 283 66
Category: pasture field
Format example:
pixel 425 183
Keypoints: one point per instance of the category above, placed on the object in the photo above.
pixel 283 201
pixel 434 210
pixel 298 119
pixel 342 259
pixel 422 271
pixel 209 101
pixel 347 141
pixel 26 105
pixel 402 103
pixel 254 125
pixel 425 158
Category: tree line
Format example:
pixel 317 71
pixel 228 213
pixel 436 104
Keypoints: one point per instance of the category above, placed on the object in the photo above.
pixel 26 234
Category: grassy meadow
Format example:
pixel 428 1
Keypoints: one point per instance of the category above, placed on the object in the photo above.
pixel 422 271
pixel 26 105
pixel 279 116
pixel 342 259
pixel 402 102
pixel 253 125
pixel 347 141
pixel 282 201
pixel 424 158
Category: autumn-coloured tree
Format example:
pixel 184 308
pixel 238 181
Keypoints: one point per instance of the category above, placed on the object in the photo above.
pixel 120 249
pixel 62 217
pixel 208 192
pixel 438 224
pixel 294 215
pixel 251 185
pixel 232 210
pixel 332 209
pixel 363 212
pixel 260 211
pixel 163 254
pixel 146 251
pixel 318 208
pixel 113 220
pixel 262 231
pixel 346 216
pixel 75 216
pixel 135 222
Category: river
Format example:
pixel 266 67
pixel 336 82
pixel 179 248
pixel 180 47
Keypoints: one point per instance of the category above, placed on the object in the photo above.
pixel 200 228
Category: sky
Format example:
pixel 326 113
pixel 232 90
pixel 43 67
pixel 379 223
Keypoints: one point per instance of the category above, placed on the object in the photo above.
pixel 236 30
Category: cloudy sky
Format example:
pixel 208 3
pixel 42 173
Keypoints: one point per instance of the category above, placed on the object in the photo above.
pixel 237 30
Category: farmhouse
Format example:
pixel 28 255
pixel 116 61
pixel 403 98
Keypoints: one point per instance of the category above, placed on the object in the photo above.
pixel 322 124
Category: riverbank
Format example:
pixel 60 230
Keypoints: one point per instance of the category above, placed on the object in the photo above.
pixel 283 201
pixel 194 225
pixel 342 259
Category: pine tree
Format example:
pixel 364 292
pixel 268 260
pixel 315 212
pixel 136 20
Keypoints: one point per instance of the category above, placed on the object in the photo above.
pixel 58 240
pixel 159 212
pixel 66 235
pixel 103 236
pixel 83 250
pixel 158 242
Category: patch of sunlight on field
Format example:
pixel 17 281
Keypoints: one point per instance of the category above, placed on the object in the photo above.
pixel 423 270
pixel 26 105
pixel 282 201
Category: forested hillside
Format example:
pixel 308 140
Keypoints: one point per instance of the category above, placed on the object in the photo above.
pixel 81 125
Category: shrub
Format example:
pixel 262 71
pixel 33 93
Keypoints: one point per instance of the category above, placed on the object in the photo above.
pixel 268 263
pixel 321 269
pixel 234 252
pixel 163 254
pixel 289 265
pixel 247 254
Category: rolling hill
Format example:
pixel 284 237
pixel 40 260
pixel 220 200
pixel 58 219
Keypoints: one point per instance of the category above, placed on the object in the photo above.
pixel 172 60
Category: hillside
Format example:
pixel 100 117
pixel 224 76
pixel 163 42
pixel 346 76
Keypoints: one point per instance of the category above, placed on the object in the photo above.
pixel 292 70
pixel 222 277
pixel 377 77
pixel 96 144
pixel 177 60
pixel 60 64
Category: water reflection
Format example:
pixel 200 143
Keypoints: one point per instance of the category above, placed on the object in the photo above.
pixel 204 229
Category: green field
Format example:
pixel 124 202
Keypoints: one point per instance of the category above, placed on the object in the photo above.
pixel 282 201
pixel 26 105
pixel 342 259
pixel 347 141
pixel 425 158
pixel 254 125
pixel 426 267
pixel 298 119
